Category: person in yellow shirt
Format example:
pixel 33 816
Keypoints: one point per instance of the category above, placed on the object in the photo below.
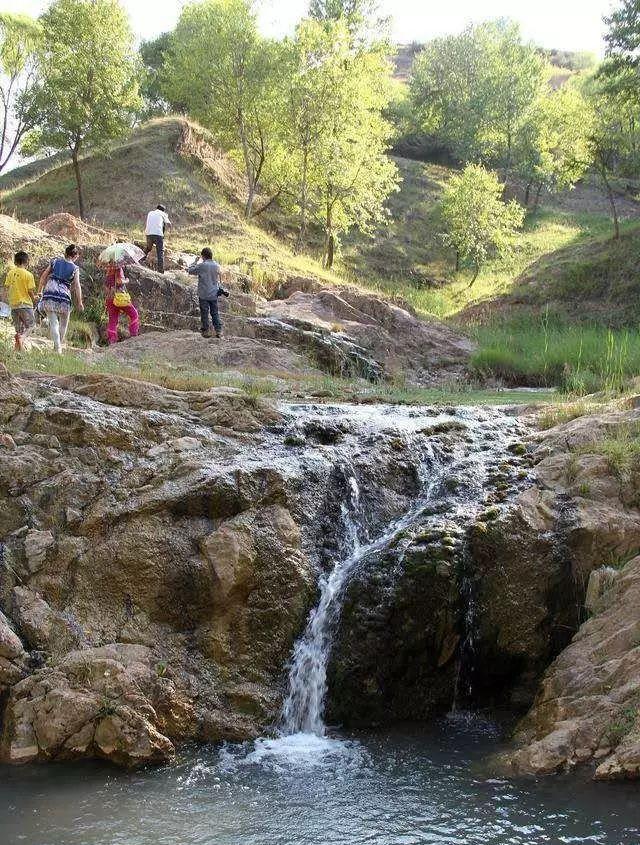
pixel 22 296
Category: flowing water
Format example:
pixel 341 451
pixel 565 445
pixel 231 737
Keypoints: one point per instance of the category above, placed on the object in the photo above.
pixel 410 787
pixel 310 784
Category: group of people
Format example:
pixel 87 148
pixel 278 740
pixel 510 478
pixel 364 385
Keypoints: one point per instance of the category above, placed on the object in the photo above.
pixel 59 289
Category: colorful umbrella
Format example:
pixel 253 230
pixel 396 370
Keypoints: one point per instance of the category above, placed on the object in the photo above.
pixel 121 254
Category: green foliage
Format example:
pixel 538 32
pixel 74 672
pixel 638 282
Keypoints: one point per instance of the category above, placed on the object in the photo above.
pixel 228 78
pixel 358 15
pixel 20 39
pixel 479 224
pixel 153 55
pixel 544 352
pixel 621 448
pixel 623 35
pixel 552 146
pixel 473 90
pixel 88 91
pixel 619 728
pixel 334 132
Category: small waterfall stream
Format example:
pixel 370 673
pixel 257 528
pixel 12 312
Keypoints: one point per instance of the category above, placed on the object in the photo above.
pixel 303 709
pixel 304 704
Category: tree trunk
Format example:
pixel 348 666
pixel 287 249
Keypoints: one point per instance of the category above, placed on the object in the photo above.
pixel 536 202
pixel 76 169
pixel 248 166
pixel 476 270
pixel 302 229
pixel 527 195
pixel 457 260
pixel 248 209
pixel 329 250
pixel 612 201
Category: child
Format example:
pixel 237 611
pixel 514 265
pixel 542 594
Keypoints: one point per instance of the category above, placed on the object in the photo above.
pixel 22 296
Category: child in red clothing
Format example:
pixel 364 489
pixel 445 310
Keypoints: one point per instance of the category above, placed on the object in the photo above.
pixel 115 283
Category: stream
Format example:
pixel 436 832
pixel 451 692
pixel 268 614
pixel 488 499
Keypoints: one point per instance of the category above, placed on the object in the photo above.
pixel 401 787
pixel 310 783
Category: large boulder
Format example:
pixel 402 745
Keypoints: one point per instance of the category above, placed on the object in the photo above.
pixel 95 702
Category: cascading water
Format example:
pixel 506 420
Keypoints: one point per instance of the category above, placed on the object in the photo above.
pixel 304 705
pixel 303 709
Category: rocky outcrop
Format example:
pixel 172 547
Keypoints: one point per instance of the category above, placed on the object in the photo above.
pixel 160 551
pixel 584 513
pixel 104 702
pixel 341 331
pixel 401 342
pixel 588 706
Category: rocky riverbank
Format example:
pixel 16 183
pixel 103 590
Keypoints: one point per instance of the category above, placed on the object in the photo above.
pixel 161 551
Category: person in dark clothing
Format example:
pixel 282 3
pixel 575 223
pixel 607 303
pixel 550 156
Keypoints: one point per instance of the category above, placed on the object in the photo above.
pixel 210 288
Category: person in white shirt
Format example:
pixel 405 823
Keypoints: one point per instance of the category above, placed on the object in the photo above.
pixel 157 221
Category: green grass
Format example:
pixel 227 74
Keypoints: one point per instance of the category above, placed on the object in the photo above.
pixel 260 385
pixel 545 351
pixel 621 448
pixel 546 233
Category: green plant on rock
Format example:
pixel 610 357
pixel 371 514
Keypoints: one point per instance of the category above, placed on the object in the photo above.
pixel 622 726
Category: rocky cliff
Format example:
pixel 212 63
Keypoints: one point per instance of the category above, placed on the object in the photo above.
pixel 160 551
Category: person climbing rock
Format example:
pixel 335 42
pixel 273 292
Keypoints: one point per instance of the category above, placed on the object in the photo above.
pixel 59 283
pixel 209 275
pixel 157 222
pixel 117 302
pixel 21 289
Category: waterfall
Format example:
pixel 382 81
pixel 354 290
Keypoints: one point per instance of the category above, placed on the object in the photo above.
pixel 303 709
pixel 467 466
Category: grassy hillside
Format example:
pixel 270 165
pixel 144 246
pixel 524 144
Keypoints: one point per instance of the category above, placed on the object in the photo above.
pixel 523 309
pixel 168 160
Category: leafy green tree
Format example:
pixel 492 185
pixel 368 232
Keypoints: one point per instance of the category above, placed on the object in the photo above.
pixel 153 55
pixel 614 138
pixel 20 38
pixel 623 35
pixel 553 144
pixel 471 91
pixel 88 92
pixel 335 134
pixel 479 224
pixel 229 78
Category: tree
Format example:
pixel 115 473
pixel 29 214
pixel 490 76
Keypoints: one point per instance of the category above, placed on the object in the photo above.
pixel 623 36
pixel 357 14
pixel 553 144
pixel 479 224
pixel 88 93
pixel 613 137
pixel 335 134
pixel 153 55
pixel 472 91
pixel 229 78
pixel 20 38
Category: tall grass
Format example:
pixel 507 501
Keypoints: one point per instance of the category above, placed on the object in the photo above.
pixel 546 352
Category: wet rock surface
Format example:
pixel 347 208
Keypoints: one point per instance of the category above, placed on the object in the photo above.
pixel 584 597
pixel 160 551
